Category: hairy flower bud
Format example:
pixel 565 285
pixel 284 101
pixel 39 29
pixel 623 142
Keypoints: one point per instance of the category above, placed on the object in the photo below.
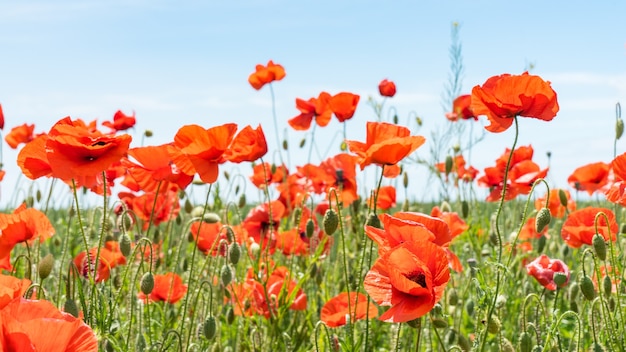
pixel 45 266
pixel 147 283
pixel 542 220
pixel 125 244
pixel 330 222
pixel 209 328
pixel 586 287
pixel 599 246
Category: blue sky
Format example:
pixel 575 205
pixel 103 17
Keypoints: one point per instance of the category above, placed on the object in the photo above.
pixel 188 62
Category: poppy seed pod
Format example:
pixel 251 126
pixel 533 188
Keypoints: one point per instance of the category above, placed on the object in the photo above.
pixel 542 220
pixel 330 222
pixel 147 283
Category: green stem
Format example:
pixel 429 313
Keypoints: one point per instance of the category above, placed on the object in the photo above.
pixel 483 341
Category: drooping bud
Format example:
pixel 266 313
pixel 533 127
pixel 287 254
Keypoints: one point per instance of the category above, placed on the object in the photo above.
pixel 148 133
pixel 543 219
pixel 234 253
pixel 599 246
pixel 560 279
pixel 226 275
pixel 211 218
pixel 374 221
pixel 525 342
pixel 445 207
pixel 330 222
pixel 45 266
pixel 147 283
pixel 125 244
pixel 302 142
pixel 405 179
pixel 607 286
pixel 563 197
pixel 310 228
pixel 494 325
pixel 586 287
pixel 209 328
pixel 188 206
pixel 242 201
pixel 285 144
pixel 619 128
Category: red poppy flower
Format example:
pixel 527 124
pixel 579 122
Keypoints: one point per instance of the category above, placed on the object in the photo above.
pixel 168 288
pixel 386 198
pixel 342 171
pixel 504 97
pixel 1 118
pixel 282 286
pixel 20 134
pixel 264 174
pixel 466 174
pixel 616 192
pixel 199 150
pixel 557 210
pixel 266 74
pixel 249 145
pixel 72 151
pixel 11 287
pixel 258 225
pixel 579 228
pixel 24 225
pixel 543 269
pixel 456 225
pixel 293 191
pixel 110 257
pixel 248 298
pixel 209 236
pixel 152 170
pixel 386 144
pixel 28 325
pixel 120 122
pixel 344 105
pixel 461 109
pixel 355 305
pixel 387 88
pixel 591 177
pixel 318 109
pixel 411 278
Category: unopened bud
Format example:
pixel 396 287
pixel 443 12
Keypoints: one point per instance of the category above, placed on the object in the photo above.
pixel 188 207
pixel 619 128
pixel 234 253
pixel 374 221
pixel 560 279
pixel 449 164
pixel 211 218
pixel 310 228
pixel 586 287
pixel 494 325
pixel 242 201
pixel 302 142
pixel 70 307
pixel 209 328
pixel 405 179
pixel 445 207
pixel 563 197
pixel 542 220
pixel 330 222
pixel 607 286
pixel 125 244
pixel 148 133
pixel 147 283
pixel 285 144
pixel 45 266
pixel 525 342
pixel 226 275
pixel 599 246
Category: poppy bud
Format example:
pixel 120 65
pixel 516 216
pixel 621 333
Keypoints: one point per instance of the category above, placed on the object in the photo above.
pixel 573 291
pixel 310 228
pixel 148 133
pixel 469 307
pixel 586 287
pixel 445 207
pixel 597 347
pixel 439 323
pixel 619 128
pixel 449 164
pixel 542 220
pixel 230 315
pixel 45 266
pixel 395 119
pixel 211 218
pixel 242 201
pixel 147 283
pixel 494 325
pixel 599 246
pixel 330 222
pixel 418 120
pixel 525 342
pixel 405 179
pixel 237 189
pixel 234 253
pixel 302 142
pixel 255 249
pixel 563 197
pixel 125 244
pixel 209 328
pixel 226 175
pixel 38 196
pixel 188 206
pixel 541 243
pixel 344 146
pixel 607 286
pixel 453 297
pixel 623 228
pixel 285 144
pixel 70 307
pixel 226 275
pixel 197 212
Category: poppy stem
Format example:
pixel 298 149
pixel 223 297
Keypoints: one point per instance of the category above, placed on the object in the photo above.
pixel 82 232
pixel 485 333
pixel 278 144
